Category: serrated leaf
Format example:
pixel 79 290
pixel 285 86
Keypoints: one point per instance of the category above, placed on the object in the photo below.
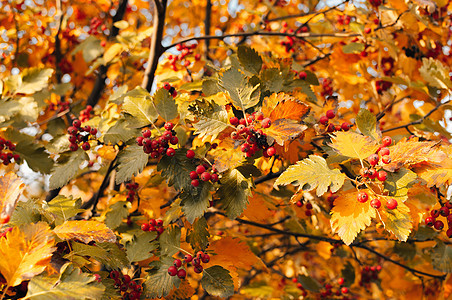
pixel 11 188
pixel 108 254
pixel 34 80
pixel 234 192
pixel 67 168
pixel 398 183
pixel 165 104
pixel 442 257
pixel 242 94
pixel 194 205
pixel 141 246
pixel 353 145
pixel 131 161
pixel 284 130
pixel 177 169
pixel 85 231
pixel 199 236
pixel 139 104
pixel 210 87
pixel 249 59
pixel 8 109
pixel 159 283
pixel 170 241
pixel 396 221
pixel 212 124
pixel 350 216
pixel 311 173
pixel 26 251
pixel 353 48
pixel 120 132
pixel 289 108
pixel 367 124
pixel 435 73
pixel 305 89
pixel 72 285
pixel 217 281
pixel 116 213
pixel 309 283
pixel 63 208
pixel 184 291
pixel 90 47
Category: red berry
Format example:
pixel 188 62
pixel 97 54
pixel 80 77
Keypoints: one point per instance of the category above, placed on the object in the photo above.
pixel 205 258
pixel 76 123
pixel 93 131
pixel 198 269
pixel 242 122
pixel 386 141
pixel 259 116
pixel 271 151
pixel 193 175
pixel 439 225
pixel 72 138
pixel 363 197
pixel 167 135
pixel 344 290
pixel 444 211
pixel 234 135
pixel 373 159
pixel 434 213
pixel 200 169
pixel 265 123
pixel 386 159
pixel 331 128
pixel 190 154
pixel 172 271
pixel 174 140
pixel 147 133
pixel 145 227
pixel 168 126
pixel 139 141
pixel 87 128
pixel 302 75
pixel 114 274
pixel 308 206
pixel 160 230
pixel 205 176
pixel 181 273
pixel 323 120
pixel 382 175
pixel 299 203
pixel 345 126
pixel 234 121
pixel 341 281
pixel 372 173
pixel 375 203
pixel 449 233
pixel 448 205
pixel 195 182
pixel 330 114
pixel 155 154
pixel 188 258
pixel 245 147
pixel 241 129
pixel 126 279
pixel 384 151
pixel 214 177
pixel 429 221
pixel 391 203
pixel 177 263
pixel 73 147
pixel 72 130
pixel 159 222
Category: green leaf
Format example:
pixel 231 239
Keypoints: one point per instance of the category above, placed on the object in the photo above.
pixel 407 251
pixel 242 94
pixel 348 273
pixel 309 283
pixel 131 161
pixel 234 192
pixel 192 86
pixel 212 121
pixel 311 173
pixel 177 169
pixel 210 87
pixel 72 285
pixel 139 104
pixel 67 168
pixel 217 282
pixel 353 48
pixel 199 236
pixel 442 257
pixel 249 59
pixel 34 80
pixel 141 246
pixel 305 88
pixel 159 283
pixel 367 124
pixel 90 47
pixel 116 213
pixel 26 212
pixel 398 183
pixel 170 241
pixel 8 109
pixel 120 132
pixel 435 73
pixel 165 104
pixel 397 221
pixel 194 205
pixel 108 254
pixel 63 208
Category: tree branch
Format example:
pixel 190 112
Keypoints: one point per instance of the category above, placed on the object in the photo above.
pixel 207 25
pixel 58 55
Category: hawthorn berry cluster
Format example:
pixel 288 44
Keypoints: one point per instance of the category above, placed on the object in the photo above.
pixel 341 291
pixel 255 139
pixel 153 225
pixel 308 206
pixel 289 41
pixel 170 89
pixel 130 290
pixel 94 26
pixel 185 50
pixel 327 89
pixel 177 270
pixel 85 114
pixel 444 211
pixel 7 156
pixel 60 106
pixel 382 154
pixel 159 146
pixel 382 86
pixel 201 171
pixel 375 3
pixel 79 134
pixel 329 115
pixel 304 293
pixel 343 19
pixel 132 190
pixel 369 274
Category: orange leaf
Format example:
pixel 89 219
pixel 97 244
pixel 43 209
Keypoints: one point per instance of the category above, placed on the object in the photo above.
pixel 257 210
pixel 85 231
pixel 25 252
pixel 184 291
pixel 232 253
pixel 10 189
pixel 283 130
pixel 282 106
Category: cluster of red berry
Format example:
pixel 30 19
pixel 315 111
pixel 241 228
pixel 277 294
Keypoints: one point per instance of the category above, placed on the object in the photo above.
pixel 391 203
pixel 343 19
pixel 330 114
pixel 60 106
pixel 368 274
pixel 170 89
pixel 86 113
pixel 132 190
pixel 382 86
pixel 304 293
pixel 202 172
pixel 77 134
pixel 185 50
pixel 375 3
pixel 327 89
pixel 255 139
pixel 130 290
pixel 308 206
pixel 341 290
pixel 196 261
pixel 7 156
pixel 153 225
pixel 444 211
pixel 65 66
pixel 381 154
pixel 159 146
pixel 94 26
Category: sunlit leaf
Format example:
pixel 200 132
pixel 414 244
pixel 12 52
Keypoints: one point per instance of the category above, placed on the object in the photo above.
pixel 353 145
pixel 85 231
pixel 217 282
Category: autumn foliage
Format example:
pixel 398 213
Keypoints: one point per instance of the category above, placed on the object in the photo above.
pixel 211 149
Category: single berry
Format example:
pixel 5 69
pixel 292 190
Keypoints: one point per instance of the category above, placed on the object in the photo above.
pixel 214 177
pixel 386 141
pixel 449 233
pixel 177 263
pixel 205 176
pixel 382 175
pixel 448 205
pixel 340 281
pixel 87 128
pixel 126 279
pixel 444 211
pixel 308 206
pixel 372 173
pixel 345 126
pixel 198 269
pixel 330 114
pixel 167 135
pixel 323 120
pixel 241 129
pixel 245 147
pixel 200 169
pixel 174 140
pixel 195 182
pixel 434 213
pixel 375 203
pixel 344 290
pixel 384 151
pixel 234 121
pixel 159 222
pixel 439 225
pixel 188 258
pixel 242 122
pixel 331 128
pixel 181 273
pixel 234 135
pixel 294 280
pixel 168 126
pixel 271 151
pixel 172 271
pixel 190 154
pixel 205 258
pixel 363 197
pixel 145 227
pixel 429 221
pixel 76 123
pixel 73 147
pixel 386 159
pixel 391 203
pixel 139 141
pixel 72 130
pixel 259 116
pixel 170 152
pixel 196 261
pixel 364 172
pixel 373 159
pixel 193 175
pixel 147 133
pixel 299 203
pixel 93 131
pixel 72 138
pixel 266 123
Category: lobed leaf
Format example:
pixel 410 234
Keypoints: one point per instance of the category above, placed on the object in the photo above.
pixel 367 124
pixel 353 145
pixel 234 192
pixel 217 282
pixel 85 231
pixel 67 168
pixel 131 161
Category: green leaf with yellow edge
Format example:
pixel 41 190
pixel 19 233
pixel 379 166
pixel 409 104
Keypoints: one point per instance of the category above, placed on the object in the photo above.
pixel 139 104
pixel 63 208
pixel 73 284
pixel 159 283
pixel 90 47
pixel 311 173
pixel 442 257
pixel 165 104
pixel 26 251
pixel 435 73
pixel 217 282
pixel 398 183
pixel 213 119
pixel 353 145
pixel 199 235
pixel 116 213
pixel 367 124
pixel 66 168
pixel 176 170
pixel 85 231
pixel 194 205
pixel 349 216
pixel 249 59
pixel 170 241
pixel 120 132
pixel 131 161
pixel 108 254
pixel 34 80
pixel 243 95
pixel 396 221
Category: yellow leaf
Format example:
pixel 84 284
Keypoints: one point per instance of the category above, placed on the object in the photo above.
pixel 349 216
pixel 435 175
pixel 25 252
pixel 396 221
pixel 10 189
pixel 283 130
pixel 311 173
pixel 112 52
pixel 184 291
pixel 354 145
pixel 85 231
pixel 283 106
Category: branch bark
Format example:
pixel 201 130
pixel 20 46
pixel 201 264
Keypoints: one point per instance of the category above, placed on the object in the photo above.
pixel 207 24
